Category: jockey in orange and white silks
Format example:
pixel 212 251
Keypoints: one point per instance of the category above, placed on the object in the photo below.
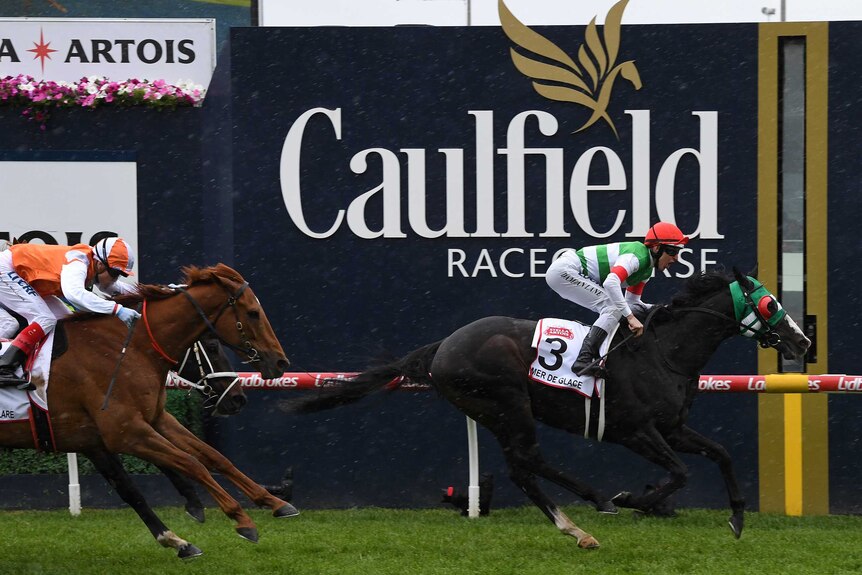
pixel 595 276
pixel 31 275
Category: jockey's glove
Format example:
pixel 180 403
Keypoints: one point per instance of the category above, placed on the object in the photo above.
pixel 128 315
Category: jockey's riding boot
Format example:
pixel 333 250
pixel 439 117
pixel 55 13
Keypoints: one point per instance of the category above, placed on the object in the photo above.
pixel 11 359
pixel 590 353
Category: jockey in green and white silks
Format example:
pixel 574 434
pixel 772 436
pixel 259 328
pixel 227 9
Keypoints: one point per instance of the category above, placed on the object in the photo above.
pixel 594 277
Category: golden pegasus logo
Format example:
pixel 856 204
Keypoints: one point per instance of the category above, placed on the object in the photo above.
pixel 557 77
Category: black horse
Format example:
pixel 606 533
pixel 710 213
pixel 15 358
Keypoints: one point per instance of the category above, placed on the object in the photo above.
pixel 482 369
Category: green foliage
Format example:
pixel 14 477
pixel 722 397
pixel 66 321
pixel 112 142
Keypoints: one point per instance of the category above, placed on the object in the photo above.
pixel 185 406
pixel 518 541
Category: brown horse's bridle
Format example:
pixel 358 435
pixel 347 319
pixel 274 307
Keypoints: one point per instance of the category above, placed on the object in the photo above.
pixel 247 349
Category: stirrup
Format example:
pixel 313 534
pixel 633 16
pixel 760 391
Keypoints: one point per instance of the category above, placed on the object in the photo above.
pixel 9 380
pixel 26 386
pixel 17 383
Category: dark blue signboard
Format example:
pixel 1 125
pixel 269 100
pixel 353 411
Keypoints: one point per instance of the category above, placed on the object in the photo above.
pixel 408 181
pixel 394 184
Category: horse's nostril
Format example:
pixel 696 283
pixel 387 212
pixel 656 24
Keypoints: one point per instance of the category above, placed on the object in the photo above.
pixel 240 400
pixel 283 364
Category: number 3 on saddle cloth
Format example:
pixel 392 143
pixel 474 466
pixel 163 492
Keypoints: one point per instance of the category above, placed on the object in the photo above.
pixel 557 343
pixel 21 405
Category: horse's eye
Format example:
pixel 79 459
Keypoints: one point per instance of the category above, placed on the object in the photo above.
pixel 767 306
pixel 254 314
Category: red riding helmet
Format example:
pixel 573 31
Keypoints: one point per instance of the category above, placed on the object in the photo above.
pixel 665 233
pixel 116 254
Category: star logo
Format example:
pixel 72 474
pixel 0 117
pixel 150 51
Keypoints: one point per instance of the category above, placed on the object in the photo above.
pixel 42 50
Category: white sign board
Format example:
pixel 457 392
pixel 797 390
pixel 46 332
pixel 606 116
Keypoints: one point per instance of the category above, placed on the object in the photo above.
pixel 66 49
pixel 69 202
pixel 364 13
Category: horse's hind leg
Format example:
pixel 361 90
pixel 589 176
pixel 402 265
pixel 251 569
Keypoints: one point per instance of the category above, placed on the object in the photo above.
pixel 516 433
pixel 111 468
pixel 687 440
pixel 194 506
pixel 184 439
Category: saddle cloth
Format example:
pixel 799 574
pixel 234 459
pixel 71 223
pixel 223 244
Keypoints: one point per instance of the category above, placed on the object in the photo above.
pixel 557 343
pixel 15 403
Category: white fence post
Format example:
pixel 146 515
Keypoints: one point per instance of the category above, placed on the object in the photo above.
pixel 473 456
pixel 74 486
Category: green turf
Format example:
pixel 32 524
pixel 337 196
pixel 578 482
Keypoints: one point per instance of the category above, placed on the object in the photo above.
pixel 405 542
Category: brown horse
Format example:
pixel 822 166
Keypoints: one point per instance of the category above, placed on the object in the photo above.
pixel 134 421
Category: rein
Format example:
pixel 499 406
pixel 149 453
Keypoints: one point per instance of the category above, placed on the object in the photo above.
pixel 153 341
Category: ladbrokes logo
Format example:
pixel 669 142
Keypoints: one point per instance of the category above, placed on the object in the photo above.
pixel 556 76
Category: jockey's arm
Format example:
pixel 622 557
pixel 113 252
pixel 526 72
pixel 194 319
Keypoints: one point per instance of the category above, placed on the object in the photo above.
pixel 633 296
pixel 73 277
pixel 613 287
pixel 118 288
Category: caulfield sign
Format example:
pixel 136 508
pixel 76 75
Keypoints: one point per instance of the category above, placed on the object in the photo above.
pixel 482 152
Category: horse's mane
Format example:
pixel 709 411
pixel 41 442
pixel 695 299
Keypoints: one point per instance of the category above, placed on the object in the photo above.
pixel 701 287
pixel 193 275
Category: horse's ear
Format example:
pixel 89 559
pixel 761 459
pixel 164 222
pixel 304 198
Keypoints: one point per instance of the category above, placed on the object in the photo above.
pixel 743 280
pixel 753 272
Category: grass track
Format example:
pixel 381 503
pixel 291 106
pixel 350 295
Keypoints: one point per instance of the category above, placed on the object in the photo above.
pixel 406 542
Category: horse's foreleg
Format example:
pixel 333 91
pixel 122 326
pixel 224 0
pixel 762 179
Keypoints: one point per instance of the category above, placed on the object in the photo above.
pixel 173 430
pixel 143 441
pixel 649 443
pixel 687 440
pixel 194 506
pixel 111 468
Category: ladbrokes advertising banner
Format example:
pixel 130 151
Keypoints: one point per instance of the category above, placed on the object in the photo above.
pixel 393 184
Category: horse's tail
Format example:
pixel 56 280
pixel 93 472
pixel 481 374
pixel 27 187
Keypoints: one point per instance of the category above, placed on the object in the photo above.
pixel 414 367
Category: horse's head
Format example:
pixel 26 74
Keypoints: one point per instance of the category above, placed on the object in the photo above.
pixel 760 315
pixel 239 320
pixel 206 367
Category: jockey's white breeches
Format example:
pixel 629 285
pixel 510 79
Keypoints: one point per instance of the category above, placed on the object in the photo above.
pixel 20 297
pixel 565 277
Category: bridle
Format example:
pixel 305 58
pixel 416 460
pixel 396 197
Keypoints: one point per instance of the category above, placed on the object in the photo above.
pixel 247 349
pixel 211 398
pixel 766 337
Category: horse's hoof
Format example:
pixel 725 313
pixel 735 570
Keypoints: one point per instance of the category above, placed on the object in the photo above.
pixel 607 507
pixel 189 551
pixel 588 542
pixel 286 510
pixel 622 499
pixel 248 533
pixel 196 513
pixel 736 523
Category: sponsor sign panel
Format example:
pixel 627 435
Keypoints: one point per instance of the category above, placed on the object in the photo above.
pixel 365 13
pixel 67 49
pixel 64 202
